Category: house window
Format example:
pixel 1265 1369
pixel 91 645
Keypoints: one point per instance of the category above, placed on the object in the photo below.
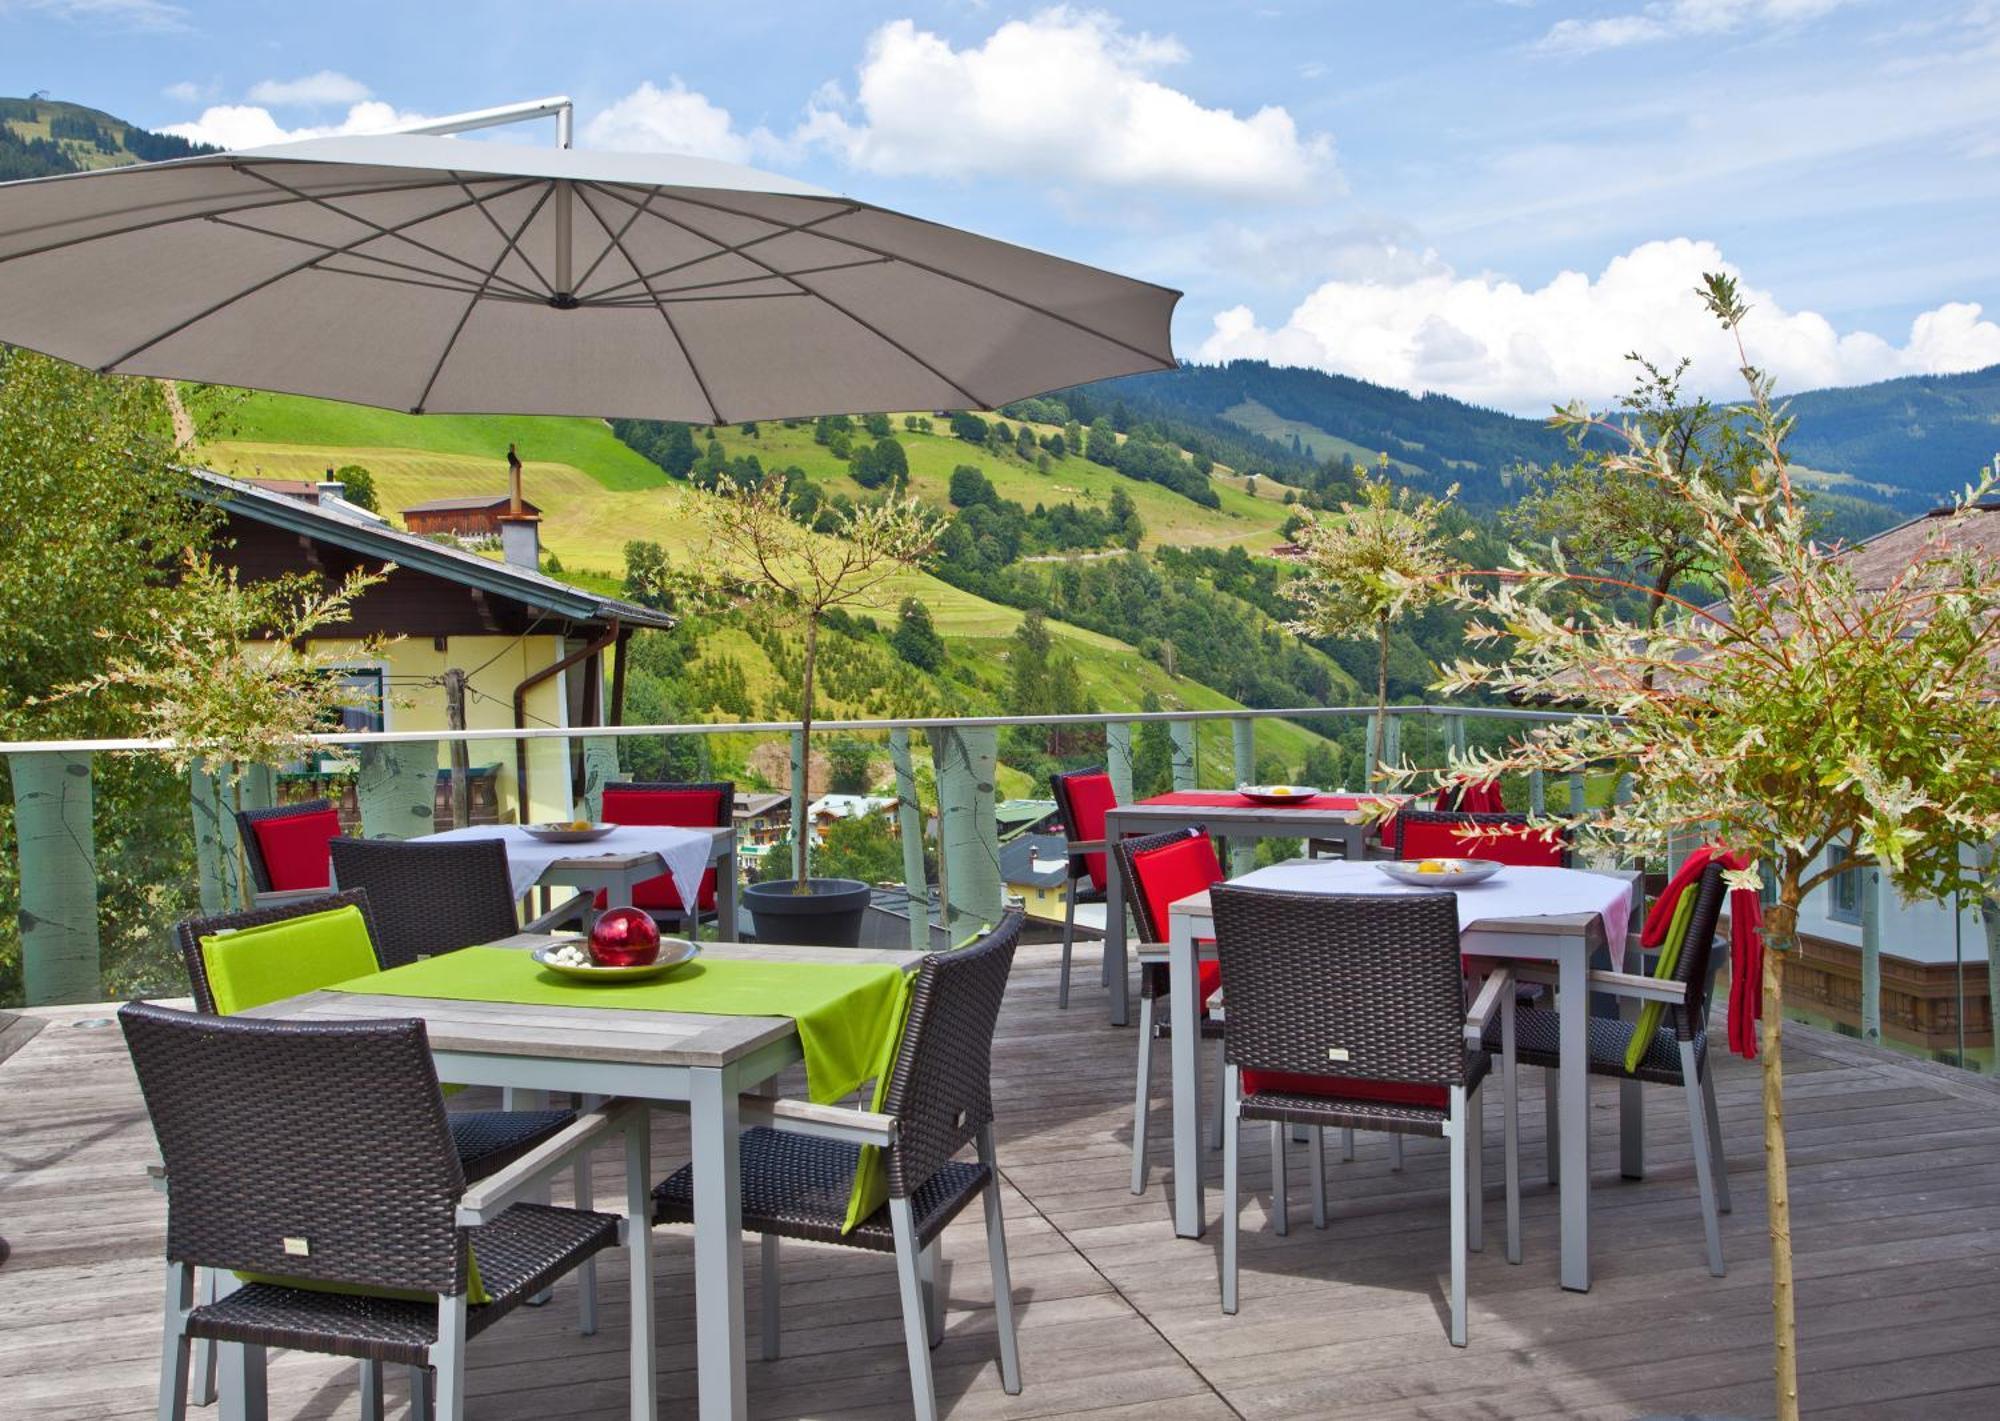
pixel 1843 895
pixel 363 699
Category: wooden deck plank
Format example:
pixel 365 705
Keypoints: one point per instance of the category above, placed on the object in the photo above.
pixel 1896 1203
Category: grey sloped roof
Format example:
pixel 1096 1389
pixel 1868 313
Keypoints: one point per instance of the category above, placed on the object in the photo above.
pixel 374 540
pixel 1019 860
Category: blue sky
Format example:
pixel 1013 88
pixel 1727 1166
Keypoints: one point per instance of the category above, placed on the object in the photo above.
pixel 1495 198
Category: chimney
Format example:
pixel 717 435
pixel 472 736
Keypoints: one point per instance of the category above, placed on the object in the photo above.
pixel 329 487
pixel 520 530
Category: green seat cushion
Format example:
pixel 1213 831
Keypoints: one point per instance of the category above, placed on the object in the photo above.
pixel 248 967
pixel 475 1291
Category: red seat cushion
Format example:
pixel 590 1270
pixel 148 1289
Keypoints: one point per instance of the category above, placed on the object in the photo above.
pixel 1345 1088
pixel 1482 798
pixel 1090 797
pixel 1524 848
pixel 684 808
pixel 1171 872
pixel 294 848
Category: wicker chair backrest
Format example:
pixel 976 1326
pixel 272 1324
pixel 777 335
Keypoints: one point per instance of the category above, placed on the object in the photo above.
pixel 1132 856
pixel 429 898
pixel 247 821
pixel 1366 986
pixel 313 1150
pixel 189 932
pixel 1697 951
pixel 941 1089
pixel 1429 833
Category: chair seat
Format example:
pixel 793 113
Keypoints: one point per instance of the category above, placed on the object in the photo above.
pixel 490 1140
pixel 1537 1042
pixel 519 1253
pixel 1154 981
pixel 797 1186
pixel 1359 1112
pixel 1080 891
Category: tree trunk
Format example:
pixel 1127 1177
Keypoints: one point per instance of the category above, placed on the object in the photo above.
pixel 802 833
pixel 1780 919
pixel 1376 750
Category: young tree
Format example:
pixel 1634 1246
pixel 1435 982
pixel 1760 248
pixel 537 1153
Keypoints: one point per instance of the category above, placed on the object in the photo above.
pixel 1804 710
pixel 1599 518
pixel 676 451
pixel 847 766
pixel 916 638
pixel 758 550
pixel 357 486
pixel 1367 564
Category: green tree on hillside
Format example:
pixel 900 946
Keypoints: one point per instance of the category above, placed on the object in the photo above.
pixel 1102 447
pixel 847 766
pixel 877 425
pixel 882 464
pixel 916 639
pixel 357 487
pixel 968 426
pixel 647 575
pixel 1152 752
pixel 1024 444
pixel 970 487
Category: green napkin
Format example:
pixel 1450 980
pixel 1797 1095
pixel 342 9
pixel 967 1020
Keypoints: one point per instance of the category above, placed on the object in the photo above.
pixel 871 1173
pixel 845 1012
pixel 1663 970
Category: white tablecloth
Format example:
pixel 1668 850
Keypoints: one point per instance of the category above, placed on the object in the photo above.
pixel 1510 893
pixel 685 852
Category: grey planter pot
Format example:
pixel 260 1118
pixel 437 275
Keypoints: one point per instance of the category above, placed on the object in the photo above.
pixel 829 916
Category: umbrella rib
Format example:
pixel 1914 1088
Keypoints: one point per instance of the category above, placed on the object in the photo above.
pixel 617 240
pixel 152 223
pixel 493 272
pixel 1007 296
pixel 438 281
pixel 251 290
pixel 451 342
pixel 397 231
pixel 789 276
pixel 973 401
pixel 615 244
pixel 721 249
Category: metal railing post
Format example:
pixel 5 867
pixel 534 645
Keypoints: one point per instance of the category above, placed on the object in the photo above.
pixel 397 790
pixel 910 825
pixel 1871 953
pixel 1118 758
pixel 1537 793
pixel 1578 796
pixel 55 835
pixel 968 834
pixel 1243 745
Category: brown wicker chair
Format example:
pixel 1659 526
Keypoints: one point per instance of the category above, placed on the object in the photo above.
pixel 320 1152
pixel 1081 797
pixel 1676 1056
pixel 426 898
pixel 796 1177
pixel 1373 985
pixel 1148 910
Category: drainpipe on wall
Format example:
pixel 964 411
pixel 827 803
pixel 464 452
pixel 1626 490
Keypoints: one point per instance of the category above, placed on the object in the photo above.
pixel 596 648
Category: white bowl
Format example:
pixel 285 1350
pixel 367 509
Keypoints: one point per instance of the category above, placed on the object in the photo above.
pixel 673 952
pixel 1461 872
pixel 563 834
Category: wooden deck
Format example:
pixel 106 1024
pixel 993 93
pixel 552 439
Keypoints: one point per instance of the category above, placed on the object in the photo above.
pixel 1896 1170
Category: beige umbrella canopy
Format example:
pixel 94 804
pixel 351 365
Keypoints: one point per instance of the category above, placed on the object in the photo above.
pixel 431 274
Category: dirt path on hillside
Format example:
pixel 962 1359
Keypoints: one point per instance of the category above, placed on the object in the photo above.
pixel 183 421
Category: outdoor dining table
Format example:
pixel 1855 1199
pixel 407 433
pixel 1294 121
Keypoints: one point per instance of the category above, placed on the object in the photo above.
pixel 627 856
pixel 1504 917
pixel 702 1061
pixel 1335 817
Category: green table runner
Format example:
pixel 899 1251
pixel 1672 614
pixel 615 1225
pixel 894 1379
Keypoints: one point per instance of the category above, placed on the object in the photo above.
pixel 849 1015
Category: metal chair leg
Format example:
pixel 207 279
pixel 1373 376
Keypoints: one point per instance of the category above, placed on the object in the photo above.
pixel 1552 1122
pixel 1281 1183
pixel 586 1275
pixel 1475 1169
pixel 201 1383
pixel 996 1258
pixel 1215 1118
pixel 1347 1144
pixel 1232 1132
pixel 1069 942
pixel 423 1394
pixel 927 1271
pixel 1395 1154
pixel 174 1343
pixel 1510 1100
pixel 1144 1075
pixel 916 1326
pixel 767 1283
pixel 1459 1131
pixel 448 1359
pixel 1704 1157
pixel 371 1391
pixel 240 1374
pixel 1715 1141
pixel 1318 1147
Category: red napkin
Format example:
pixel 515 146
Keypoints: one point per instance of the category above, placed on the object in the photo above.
pixel 1746 941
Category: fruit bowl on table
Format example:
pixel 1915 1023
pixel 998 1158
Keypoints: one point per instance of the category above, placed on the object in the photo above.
pixel 1439 873
pixel 571 958
pixel 1278 794
pixel 569 831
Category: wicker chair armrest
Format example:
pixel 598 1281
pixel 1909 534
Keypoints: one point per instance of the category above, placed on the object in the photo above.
pixel 156 1175
pixel 576 908
pixel 494 1195
pixel 1648 989
pixel 285 897
pixel 1498 986
pixel 828 1122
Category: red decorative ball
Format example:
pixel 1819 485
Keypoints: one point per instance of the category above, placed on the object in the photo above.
pixel 624 937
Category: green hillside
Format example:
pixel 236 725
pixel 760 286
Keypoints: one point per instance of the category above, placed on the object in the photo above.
pixel 43 137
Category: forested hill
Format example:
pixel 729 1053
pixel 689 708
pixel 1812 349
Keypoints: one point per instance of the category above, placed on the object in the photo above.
pixel 1312 415
pixel 1927 433
pixel 43 137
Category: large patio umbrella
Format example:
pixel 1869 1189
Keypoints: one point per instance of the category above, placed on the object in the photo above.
pixel 427 273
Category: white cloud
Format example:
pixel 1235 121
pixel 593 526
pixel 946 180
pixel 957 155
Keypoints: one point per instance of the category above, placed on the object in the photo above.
pixel 1066 96
pixel 146 15
pixel 310 90
pixel 187 92
pixel 251 126
pixel 675 119
pixel 1669 19
pixel 1498 343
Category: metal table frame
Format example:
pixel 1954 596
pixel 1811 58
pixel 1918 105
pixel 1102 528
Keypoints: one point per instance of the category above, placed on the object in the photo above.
pixel 1568 941
pixel 619 874
pixel 1343 826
